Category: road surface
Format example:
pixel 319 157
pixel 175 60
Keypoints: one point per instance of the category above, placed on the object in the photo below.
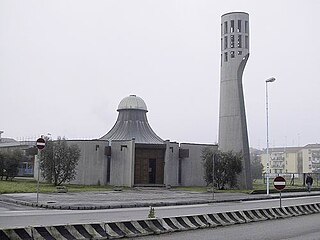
pixel 295 228
pixel 44 217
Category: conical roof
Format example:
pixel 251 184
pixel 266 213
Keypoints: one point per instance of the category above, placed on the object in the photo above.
pixel 132 123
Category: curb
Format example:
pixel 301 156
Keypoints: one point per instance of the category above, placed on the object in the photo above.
pixel 145 204
pixel 113 230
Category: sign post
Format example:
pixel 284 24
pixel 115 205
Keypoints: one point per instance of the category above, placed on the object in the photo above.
pixel 279 183
pixel 41 143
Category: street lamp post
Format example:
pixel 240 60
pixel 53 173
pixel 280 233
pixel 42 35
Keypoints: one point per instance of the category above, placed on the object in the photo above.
pixel 213 161
pixel 267 111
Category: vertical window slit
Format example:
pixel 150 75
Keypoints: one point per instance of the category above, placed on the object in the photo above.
pixel 232 26
pixel 239 26
pixel 246 42
pixel 246 27
pixel 239 41
pixel 225 42
pixel 232 41
pixel 225 27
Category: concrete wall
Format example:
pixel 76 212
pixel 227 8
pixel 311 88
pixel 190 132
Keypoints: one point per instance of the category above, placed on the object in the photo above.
pixel 92 166
pixel 122 163
pixel 192 170
pixel 171 163
pixel 291 159
pixel 306 167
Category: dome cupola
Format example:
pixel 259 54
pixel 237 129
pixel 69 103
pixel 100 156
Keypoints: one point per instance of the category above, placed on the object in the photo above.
pixel 132 102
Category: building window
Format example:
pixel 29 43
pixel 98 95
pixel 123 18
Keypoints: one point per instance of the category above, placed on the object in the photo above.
pixel 246 27
pixel 239 41
pixel 239 26
pixel 226 57
pixel 246 42
pixel 221 44
pixel 239 52
pixel 232 54
pixel 232 41
pixel 225 42
pixel 225 27
pixel 123 146
pixel 232 26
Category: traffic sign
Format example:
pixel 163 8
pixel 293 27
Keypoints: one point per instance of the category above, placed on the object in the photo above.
pixel 41 143
pixel 279 183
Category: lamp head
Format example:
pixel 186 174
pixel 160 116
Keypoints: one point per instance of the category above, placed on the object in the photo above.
pixel 270 79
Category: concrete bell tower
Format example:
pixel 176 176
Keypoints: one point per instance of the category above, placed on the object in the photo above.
pixel 233 135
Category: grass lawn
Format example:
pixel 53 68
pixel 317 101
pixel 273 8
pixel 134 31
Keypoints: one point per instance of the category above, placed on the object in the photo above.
pixel 258 184
pixel 29 186
pixel 209 189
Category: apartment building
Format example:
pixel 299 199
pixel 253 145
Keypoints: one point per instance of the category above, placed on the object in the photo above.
pixel 293 159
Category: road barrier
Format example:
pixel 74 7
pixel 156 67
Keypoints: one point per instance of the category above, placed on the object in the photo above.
pixel 112 230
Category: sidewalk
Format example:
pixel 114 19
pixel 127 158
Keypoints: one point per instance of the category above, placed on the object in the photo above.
pixel 140 197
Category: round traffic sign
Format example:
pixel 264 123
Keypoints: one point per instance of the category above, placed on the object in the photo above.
pixel 41 143
pixel 279 183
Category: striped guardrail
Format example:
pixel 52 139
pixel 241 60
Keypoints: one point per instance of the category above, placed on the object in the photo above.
pixel 112 230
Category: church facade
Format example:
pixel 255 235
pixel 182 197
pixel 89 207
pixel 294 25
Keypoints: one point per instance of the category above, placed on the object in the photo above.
pixel 132 154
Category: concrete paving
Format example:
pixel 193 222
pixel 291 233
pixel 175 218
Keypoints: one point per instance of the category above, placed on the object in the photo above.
pixel 138 197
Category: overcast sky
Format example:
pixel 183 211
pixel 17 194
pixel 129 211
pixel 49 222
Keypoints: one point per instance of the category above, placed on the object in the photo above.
pixel 66 65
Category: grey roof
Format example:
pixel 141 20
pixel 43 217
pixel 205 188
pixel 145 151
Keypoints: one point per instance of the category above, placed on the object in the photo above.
pixel 7 140
pixel 132 123
pixel 314 145
pixel 283 150
pixel 17 144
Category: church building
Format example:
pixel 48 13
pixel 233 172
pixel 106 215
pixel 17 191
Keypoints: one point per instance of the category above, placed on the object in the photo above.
pixel 132 154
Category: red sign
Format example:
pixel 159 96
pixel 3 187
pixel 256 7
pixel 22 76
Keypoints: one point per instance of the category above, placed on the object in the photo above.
pixel 279 183
pixel 41 143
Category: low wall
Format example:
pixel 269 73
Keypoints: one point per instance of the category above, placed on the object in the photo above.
pixel 111 230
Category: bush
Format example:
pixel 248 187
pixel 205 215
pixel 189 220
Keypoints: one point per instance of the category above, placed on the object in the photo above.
pixel 9 162
pixel 227 165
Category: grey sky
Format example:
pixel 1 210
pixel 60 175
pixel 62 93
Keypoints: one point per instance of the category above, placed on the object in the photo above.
pixel 65 66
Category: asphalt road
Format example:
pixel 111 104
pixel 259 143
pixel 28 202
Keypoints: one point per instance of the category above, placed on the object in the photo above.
pixel 295 228
pixel 22 218
pixel 6 206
